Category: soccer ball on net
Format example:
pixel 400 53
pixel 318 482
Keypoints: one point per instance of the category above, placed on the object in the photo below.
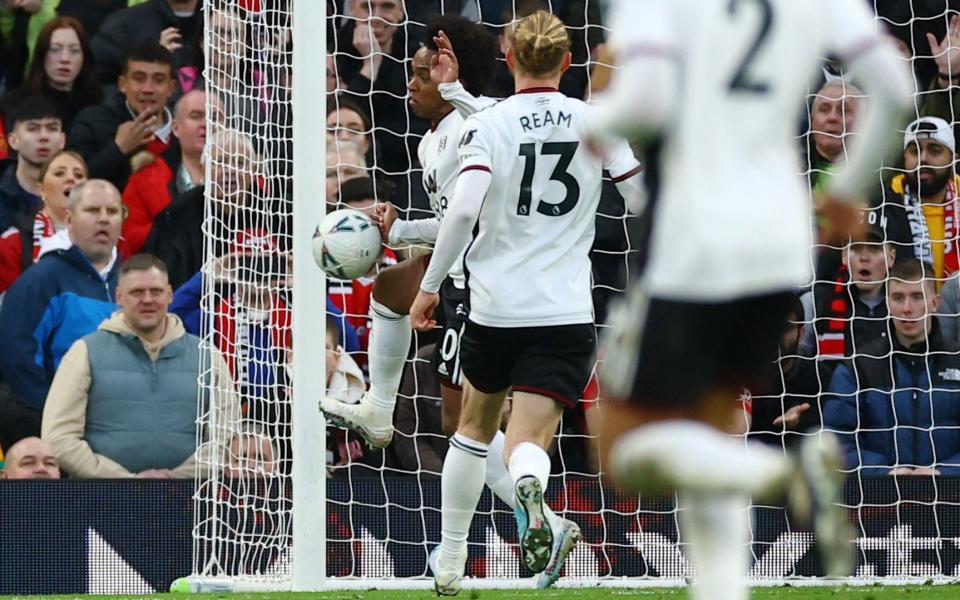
pixel 346 244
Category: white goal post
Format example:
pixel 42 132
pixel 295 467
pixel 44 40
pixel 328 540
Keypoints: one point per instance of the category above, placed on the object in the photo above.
pixel 300 532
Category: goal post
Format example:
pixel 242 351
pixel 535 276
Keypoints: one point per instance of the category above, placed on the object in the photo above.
pixel 308 554
pixel 276 467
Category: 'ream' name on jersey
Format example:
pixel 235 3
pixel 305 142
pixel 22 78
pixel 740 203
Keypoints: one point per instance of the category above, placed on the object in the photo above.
pixel 538 120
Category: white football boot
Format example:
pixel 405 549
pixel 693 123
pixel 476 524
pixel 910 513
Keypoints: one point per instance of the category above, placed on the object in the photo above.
pixel 372 422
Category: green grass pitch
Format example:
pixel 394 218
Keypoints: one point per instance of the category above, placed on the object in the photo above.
pixel 926 592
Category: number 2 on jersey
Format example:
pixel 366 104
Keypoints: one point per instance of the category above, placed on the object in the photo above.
pixel 565 150
pixel 742 81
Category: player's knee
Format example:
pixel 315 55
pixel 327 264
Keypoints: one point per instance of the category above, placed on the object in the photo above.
pixel 475 428
pixel 386 290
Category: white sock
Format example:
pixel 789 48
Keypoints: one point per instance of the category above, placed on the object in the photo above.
pixel 530 459
pixel 461 484
pixel 499 479
pixel 716 532
pixel 388 346
pixel 697 458
pixel 501 482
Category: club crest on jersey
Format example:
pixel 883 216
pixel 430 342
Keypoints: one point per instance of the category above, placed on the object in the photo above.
pixel 467 137
pixel 442 144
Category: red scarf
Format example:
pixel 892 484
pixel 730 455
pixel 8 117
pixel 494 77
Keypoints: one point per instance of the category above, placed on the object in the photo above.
pixel 923 249
pixel 832 336
pixel 43 228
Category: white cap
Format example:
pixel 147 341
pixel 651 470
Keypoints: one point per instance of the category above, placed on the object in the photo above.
pixel 930 128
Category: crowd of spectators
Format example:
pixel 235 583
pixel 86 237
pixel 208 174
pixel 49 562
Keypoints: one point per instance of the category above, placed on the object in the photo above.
pixel 141 169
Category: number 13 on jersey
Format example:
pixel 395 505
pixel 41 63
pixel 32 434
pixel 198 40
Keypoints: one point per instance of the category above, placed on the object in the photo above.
pixel 565 152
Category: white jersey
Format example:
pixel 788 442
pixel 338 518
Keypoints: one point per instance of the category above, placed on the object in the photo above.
pixel 437 153
pixel 732 215
pixel 438 156
pixel 528 263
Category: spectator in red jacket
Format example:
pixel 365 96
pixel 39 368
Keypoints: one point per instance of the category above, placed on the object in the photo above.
pixel 151 189
pixel 58 177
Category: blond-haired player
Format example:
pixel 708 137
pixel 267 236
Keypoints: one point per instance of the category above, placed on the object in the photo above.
pixel 524 208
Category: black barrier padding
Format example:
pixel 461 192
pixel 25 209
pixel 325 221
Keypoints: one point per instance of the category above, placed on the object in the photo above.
pixel 45 525
pixel 908 527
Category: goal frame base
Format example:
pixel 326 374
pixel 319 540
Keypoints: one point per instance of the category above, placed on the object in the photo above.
pixel 197 584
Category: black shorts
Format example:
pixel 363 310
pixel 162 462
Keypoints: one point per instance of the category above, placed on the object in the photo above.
pixel 689 348
pixel 551 361
pixel 446 355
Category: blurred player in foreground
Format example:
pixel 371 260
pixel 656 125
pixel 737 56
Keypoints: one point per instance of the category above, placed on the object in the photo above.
pixel 710 88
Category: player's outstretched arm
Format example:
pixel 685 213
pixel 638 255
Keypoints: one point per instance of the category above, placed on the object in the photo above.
pixel 625 113
pixel 395 230
pixel 645 90
pixel 417 231
pixel 884 78
pixel 463 101
pixel 874 64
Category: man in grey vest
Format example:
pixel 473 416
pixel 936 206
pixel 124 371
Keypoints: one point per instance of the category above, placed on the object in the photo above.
pixel 124 400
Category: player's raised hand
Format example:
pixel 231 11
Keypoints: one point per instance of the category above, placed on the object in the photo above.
pixel 444 67
pixel 421 311
pixel 842 220
pixel 946 52
pixel 384 215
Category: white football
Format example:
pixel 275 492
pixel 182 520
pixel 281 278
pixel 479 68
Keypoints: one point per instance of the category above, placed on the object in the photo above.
pixel 346 244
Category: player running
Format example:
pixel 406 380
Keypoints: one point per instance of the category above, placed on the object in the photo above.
pixel 721 82
pixel 448 76
pixel 523 211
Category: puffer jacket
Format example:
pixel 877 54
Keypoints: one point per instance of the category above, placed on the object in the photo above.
pixel 898 406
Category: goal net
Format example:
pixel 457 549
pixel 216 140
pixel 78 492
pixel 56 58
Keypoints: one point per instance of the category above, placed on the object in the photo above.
pixel 292 497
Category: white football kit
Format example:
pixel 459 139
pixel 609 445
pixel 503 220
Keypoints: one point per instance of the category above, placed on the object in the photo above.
pixel 527 263
pixel 733 217
pixel 437 153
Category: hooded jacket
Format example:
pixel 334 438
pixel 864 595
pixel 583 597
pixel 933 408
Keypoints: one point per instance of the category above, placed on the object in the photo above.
pixel 53 304
pixel 120 405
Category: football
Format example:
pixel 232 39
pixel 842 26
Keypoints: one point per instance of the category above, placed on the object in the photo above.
pixel 346 244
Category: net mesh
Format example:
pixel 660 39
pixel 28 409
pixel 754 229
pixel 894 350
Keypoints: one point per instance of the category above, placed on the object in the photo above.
pixel 243 500
pixel 383 507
